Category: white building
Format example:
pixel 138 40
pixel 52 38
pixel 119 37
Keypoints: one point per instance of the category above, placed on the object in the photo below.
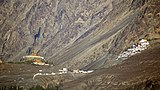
pixel 64 70
pixel 142 45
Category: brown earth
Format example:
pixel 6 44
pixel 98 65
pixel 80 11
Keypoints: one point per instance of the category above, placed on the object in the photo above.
pixel 22 75
pixel 139 72
pixel 87 34
pixel 18 74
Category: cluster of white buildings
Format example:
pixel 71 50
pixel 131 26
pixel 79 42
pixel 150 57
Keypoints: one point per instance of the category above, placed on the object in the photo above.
pixel 62 71
pixel 142 45
pixel 82 71
pixel 65 70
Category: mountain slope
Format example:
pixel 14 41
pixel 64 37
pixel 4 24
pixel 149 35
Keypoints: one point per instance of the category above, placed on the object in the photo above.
pixel 140 72
pixel 85 34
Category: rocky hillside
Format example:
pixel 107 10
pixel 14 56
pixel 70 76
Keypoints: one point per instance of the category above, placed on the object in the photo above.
pixel 139 72
pixel 76 33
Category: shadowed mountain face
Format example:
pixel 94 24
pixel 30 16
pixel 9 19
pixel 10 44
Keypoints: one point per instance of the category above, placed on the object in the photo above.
pixel 76 33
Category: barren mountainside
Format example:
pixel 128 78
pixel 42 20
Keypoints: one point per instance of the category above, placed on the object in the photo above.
pixel 84 34
pixel 80 35
pixel 139 72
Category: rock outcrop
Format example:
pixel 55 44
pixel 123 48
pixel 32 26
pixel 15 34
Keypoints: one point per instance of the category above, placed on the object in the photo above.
pixel 76 34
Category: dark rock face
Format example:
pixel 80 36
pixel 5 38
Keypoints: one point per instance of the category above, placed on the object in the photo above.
pixel 76 34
